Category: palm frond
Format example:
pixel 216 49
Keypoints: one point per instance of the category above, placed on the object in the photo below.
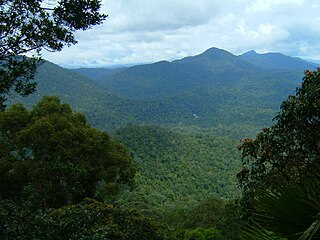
pixel 292 212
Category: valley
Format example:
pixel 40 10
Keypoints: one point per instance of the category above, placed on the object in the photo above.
pixel 180 121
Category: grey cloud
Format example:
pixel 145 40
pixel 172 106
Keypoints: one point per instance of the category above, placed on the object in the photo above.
pixel 142 15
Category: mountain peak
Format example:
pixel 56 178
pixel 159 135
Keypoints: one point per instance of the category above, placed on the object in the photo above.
pixel 211 54
pixel 250 53
pixel 215 52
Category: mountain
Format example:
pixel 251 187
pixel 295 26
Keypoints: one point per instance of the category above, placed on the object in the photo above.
pixel 216 59
pixel 277 60
pixel 163 79
pixel 215 68
pixel 216 87
pixel 204 104
pixel 103 109
pixel 314 61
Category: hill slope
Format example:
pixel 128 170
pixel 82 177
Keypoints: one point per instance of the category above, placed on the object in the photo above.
pixel 212 89
pixel 216 86
pixel 103 109
pixel 163 79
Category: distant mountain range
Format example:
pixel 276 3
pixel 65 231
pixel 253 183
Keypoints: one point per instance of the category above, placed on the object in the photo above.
pixel 277 60
pixel 213 68
pixel 103 109
pixel 215 88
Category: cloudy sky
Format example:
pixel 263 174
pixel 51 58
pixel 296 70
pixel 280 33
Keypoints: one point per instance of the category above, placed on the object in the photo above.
pixel 141 31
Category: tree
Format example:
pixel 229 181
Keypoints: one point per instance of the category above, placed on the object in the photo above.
pixel 280 168
pixel 50 156
pixel 288 151
pixel 29 26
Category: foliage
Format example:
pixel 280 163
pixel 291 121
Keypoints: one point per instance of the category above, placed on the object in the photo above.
pixel 183 174
pixel 292 212
pixel 52 156
pixel 208 213
pixel 202 234
pixel 219 219
pixel 179 168
pixel 89 219
pixel 30 26
pixel 286 151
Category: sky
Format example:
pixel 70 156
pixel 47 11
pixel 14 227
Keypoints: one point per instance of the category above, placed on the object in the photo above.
pixel 145 31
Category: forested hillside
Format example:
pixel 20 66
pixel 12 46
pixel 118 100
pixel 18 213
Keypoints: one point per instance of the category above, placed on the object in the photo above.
pixel 153 151
pixel 213 89
pixel 103 109
pixel 177 167
pixel 97 74
pixel 216 87
pixel 215 68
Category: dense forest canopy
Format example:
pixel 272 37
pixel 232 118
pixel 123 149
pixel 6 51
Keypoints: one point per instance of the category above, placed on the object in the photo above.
pixel 50 160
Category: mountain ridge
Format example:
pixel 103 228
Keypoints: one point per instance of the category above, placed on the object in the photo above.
pixel 276 60
pixel 251 57
pixel 217 86
pixel 212 68
pixel 103 109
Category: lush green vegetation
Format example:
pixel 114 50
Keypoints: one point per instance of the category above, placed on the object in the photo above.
pixel 250 103
pixel 50 160
pixel 166 183
pixel 180 172
pixel 168 171
pixel 102 108
pixel 178 167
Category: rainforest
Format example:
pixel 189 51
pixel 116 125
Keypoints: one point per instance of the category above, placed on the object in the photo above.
pixel 210 146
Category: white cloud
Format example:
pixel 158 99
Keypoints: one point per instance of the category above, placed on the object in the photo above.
pixel 268 5
pixel 148 31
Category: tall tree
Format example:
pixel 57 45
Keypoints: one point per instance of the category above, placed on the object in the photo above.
pixel 29 26
pixel 50 156
pixel 280 168
pixel 289 150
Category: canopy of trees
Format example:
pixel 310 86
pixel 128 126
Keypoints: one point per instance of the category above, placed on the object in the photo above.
pixel 52 156
pixel 51 161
